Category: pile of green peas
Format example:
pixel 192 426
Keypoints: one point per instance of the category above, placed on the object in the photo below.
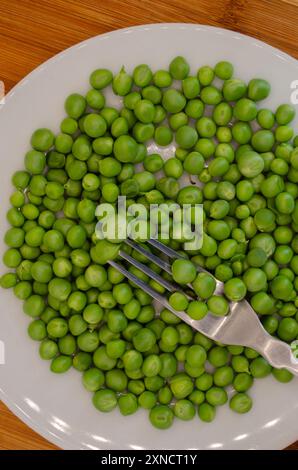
pixel 84 313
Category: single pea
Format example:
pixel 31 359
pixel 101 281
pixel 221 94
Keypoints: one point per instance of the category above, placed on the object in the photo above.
pixel 181 385
pixel 204 382
pixel 224 70
pixel 206 128
pixel 241 403
pixel 260 368
pixel 162 78
pixel 75 105
pixel 255 279
pixel 211 95
pixel 191 87
pixel 281 287
pixel 122 83
pixel 242 382
pixel 37 330
pixel 161 416
pixel 95 99
pixel 93 379
pixel 196 355
pixel 205 75
pixel 183 271
pixel 194 109
pixel 204 285
pixel 197 309
pixel 105 400
pixel 34 306
pixel 135 386
pixel 179 68
pixel 128 404
pixel 266 118
pixel 142 75
pixel 218 356
pixel 216 396
pixel 8 280
pixel 82 361
pixel 285 113
pixel 242 132
pixel 258 89
pixel 234 89
pixel 194 163
pixel 163 135
pixel 173 101
pixel 42 139
pixel 57 327
pixel 270 323
pixel 144 111
pixel 235 289
pixel 61 364
pixel 178 301
pixel 287 329
pixel 184 409
pixel 206 412
pixel 147 400
pixel 197 397
pixel 262 303
pixel 20 179
pixel 41 271
pixel 48 349
pixel 282 375
pixel 186 137
pixel 218 305
pixel 116 380
pixel 223 376
pixel 100 78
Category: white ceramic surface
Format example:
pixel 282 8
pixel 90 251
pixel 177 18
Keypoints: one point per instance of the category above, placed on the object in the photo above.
pixel 58 407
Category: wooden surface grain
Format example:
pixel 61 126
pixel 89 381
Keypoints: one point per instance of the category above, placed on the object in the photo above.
pixel 31 31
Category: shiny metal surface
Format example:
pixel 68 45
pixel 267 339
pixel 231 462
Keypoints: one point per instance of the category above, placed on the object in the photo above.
pixel 240 327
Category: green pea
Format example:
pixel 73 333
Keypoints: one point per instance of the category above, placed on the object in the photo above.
pixel 105 400
pixel 184 409
pixel 61 364
pixel 161 416
pixel 122 83
pixel 216 396
pixel 179 68
pixel 173 101
pixel 205 75
pixel 241 403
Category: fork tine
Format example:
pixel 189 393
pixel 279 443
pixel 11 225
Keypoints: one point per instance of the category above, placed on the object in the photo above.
pixel 171 287
pixel 155 259
pixel 174 255
pixel 155 295
pixel 164 249
pixel 132 277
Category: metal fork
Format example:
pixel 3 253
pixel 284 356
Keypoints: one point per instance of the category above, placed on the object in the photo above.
pixel 240 327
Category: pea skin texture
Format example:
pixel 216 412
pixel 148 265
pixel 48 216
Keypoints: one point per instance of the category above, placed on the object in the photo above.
pixel 237 158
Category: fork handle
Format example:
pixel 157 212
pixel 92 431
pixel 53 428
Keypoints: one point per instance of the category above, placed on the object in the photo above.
pixel 277 353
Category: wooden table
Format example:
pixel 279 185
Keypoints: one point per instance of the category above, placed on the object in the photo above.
pixel 31 31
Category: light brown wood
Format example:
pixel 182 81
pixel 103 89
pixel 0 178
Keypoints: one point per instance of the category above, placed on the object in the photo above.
pixel 32 31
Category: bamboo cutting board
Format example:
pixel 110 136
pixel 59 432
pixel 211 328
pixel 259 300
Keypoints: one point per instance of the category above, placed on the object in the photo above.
pixel 32 31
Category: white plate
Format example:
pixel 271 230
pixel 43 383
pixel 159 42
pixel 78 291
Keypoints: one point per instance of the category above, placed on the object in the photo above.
pixel 58 407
